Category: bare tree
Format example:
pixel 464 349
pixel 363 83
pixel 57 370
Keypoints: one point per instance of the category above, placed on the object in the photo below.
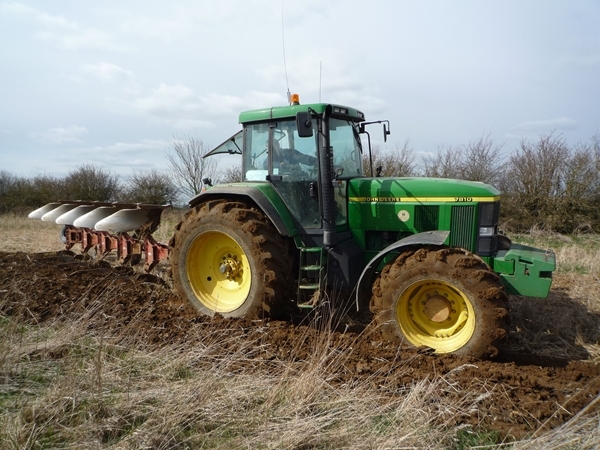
pixel 23 194
pixel 188 165
pixel 581 177
pixel 479 160
pixel 596 150
pixel 547 184
pixel 396 162
pixel 537 169
pixel 576 208
pixel 482 161
pixel 152 187
pixel 89 182
pixel 7 180
pixel 232 174
pixel 447 163
pixel 9 197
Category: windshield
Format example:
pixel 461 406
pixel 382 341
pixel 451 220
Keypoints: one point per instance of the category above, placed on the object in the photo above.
pixel 346 147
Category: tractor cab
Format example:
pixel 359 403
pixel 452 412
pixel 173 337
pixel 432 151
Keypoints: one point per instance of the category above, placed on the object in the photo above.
pixel 276 152
pixel 307 153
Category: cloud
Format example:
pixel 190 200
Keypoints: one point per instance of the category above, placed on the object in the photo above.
pixel 125 156
pixel 64 33
pixel 37 15
pixel 179 106
pixel 58 136
pixel 563 123
pixel 124 148
pixel 332 81
pixel 158 27
pixel 107 71
pixel 83 39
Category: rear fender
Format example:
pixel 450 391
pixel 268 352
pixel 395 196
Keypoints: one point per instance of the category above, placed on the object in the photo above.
pixel 420 239
pixel 264 197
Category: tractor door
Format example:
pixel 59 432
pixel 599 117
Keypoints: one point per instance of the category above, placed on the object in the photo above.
pixel 274 152
pixel 293 171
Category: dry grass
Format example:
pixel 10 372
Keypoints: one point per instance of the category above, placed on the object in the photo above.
pixel 19 234
pixel 63 388
pixel 571 326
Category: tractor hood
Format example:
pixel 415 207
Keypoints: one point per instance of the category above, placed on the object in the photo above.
pixel 420 190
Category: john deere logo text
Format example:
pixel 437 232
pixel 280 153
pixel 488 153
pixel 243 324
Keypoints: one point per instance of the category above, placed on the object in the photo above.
pixel 382 199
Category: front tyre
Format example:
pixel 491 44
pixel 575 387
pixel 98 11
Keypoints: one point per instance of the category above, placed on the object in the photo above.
pixel 445 299
pixel 229 259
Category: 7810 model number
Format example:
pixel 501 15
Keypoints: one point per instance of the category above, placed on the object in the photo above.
pixel 463 199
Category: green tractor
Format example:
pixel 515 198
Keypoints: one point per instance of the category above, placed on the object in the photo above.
pixel 423 255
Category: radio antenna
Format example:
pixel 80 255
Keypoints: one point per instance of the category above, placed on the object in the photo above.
pixel 320 78
pixel 289 95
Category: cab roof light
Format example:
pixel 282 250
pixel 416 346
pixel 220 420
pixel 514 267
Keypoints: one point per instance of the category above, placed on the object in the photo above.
pixel 295 99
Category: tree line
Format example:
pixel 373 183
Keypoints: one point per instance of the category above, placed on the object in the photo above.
pixel 545 183
pixel 182 179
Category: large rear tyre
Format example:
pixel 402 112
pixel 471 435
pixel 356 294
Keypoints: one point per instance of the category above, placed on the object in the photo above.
pixel 446 299
pixel 229 259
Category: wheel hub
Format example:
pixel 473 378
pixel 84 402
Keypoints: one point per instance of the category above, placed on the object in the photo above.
pixel 230 266
pixel 437 308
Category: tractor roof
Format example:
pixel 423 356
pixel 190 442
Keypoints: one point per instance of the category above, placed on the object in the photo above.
pixel 288 112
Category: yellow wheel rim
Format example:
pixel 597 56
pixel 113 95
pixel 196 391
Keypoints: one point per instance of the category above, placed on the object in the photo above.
pixel 218 271
pixel 435 314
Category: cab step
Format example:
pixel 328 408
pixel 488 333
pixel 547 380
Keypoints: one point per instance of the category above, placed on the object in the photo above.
pixel 311 276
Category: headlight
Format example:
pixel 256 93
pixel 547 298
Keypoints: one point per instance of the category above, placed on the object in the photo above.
pixel 487 236
pixel 486 231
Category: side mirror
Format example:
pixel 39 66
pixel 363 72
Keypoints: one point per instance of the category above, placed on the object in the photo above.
pixel 386 130
pixel 304 124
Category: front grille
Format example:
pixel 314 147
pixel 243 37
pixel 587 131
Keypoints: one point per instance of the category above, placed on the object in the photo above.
pixel 461 227
pixel 426 218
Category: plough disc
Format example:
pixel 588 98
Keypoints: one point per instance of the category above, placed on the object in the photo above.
pixel 124 227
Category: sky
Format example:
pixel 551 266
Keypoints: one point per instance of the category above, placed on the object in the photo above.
pixel 113 83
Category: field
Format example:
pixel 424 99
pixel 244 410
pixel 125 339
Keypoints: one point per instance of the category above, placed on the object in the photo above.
pixel 95 356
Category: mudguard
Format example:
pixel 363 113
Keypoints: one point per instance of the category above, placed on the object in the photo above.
pixel 263 195
pixel 363 286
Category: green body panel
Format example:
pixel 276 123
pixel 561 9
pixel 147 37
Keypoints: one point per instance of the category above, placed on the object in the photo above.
pixel 285 112
pixel 422 188
pixel 406 206
pixel 525 270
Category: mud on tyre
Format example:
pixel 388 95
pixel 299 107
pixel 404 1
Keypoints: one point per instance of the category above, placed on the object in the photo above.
pixel 229 259
pixel 446 299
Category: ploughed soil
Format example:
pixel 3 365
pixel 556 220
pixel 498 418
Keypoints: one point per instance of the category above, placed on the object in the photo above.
pixel 517 394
